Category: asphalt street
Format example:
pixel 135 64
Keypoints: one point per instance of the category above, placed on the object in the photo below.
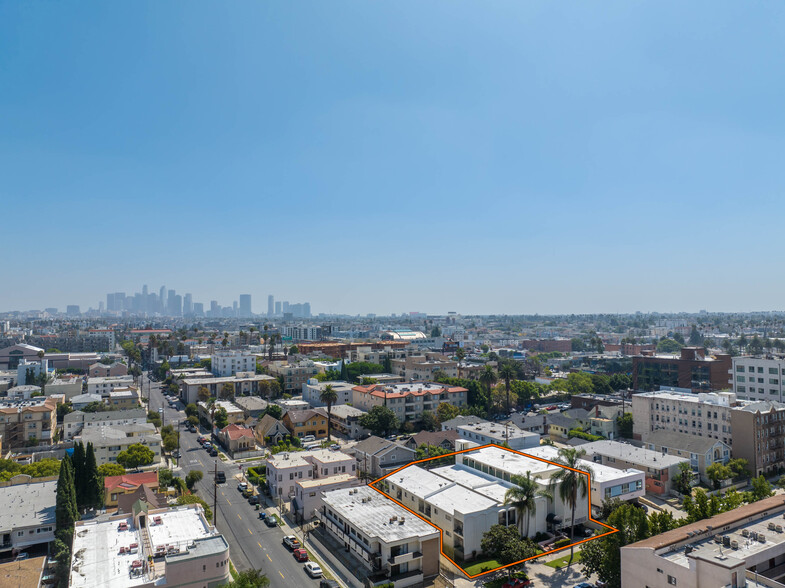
pixel 252 544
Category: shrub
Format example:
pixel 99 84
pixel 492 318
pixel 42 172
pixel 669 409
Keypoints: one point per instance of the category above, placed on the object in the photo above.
pixel 561 543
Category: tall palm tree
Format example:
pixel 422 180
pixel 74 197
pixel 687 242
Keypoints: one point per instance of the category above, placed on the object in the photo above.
pixel 507 372
pixel 488 378
pixel 329 396
pixel 571 483
pixel 523 497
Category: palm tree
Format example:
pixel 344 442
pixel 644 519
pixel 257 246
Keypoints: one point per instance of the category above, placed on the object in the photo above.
pixel 507 373
pixel 523 497
pixel 571 483
pixel 488 378
pixel 460 354
pixel 329 397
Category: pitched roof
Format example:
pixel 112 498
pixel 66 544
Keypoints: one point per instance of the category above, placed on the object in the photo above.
pixel 267 423
pixel 681 441
pixel 298 416
pixel 237 432
pixel 131 480
pixel 435 437
pixel 374 445
pixel 144 493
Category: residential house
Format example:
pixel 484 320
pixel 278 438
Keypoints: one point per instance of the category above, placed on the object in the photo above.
pixel 237 439
pixel 116 486
pixel 346 421
pixel 701 451
pixel 376 456
pixel 269 431
pixel 302 423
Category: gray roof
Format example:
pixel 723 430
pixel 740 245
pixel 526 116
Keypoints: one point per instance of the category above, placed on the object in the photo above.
pixel 342 411
pixel 27 505
pixel 374 445
pixel 631 454
pixel 462 420
pixel 107 415
pixel 250 402
pixel 682 441
pixel 562 420
pixel 762 406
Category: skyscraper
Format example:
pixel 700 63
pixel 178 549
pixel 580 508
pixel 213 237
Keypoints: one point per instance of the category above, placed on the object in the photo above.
pixel 278 308
pixel 188 305
pixel 270 305
pixel 245 305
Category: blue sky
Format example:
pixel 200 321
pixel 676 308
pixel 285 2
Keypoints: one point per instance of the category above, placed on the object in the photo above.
pixel 480 157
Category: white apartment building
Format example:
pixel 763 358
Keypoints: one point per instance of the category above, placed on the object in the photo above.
pixel 105 385
pixel 423 367
pixel 284 470
pixel 758 378
pixel 75 422
pixel 28 514
pixel 314 388
pixel 227 363
pixel 703 415
pixel 484 433
pixel 108 442
pixel 408 400
pixel 383 536
pixel 308 493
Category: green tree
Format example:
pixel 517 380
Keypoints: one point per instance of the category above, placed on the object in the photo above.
pixel 695 339
pixel 250 579
pixel 579 383
pixel 661 522
pixel 523 497
pixel 666 345
pixel 78 464
pixel 429 422
pixel 154 417
pixel 344 375
pixel 571 483
pixel 425 451
pixel 227 391
pixel 603 556
pixel 460 354
pixel 221 418
pixel 620 382
pixel 110 469
pixel 66 512
pixel 294 350
pixel 624 425
pixel 505 545
pixel 507 373
pixel 601 384
pixel 329 397
pixel 683 480
pixel 446 411
pixel 94 482
pixel 194 499
pixel 488 378
pixel 203 393
pixel 740 467
pixel 192 478
pixel 761 488
pixel 135 456
pixel 274 411
pixel 717 473
pixel 380 420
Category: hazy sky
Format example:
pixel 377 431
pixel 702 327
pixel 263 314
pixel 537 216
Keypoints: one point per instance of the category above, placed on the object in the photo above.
pixel 506 156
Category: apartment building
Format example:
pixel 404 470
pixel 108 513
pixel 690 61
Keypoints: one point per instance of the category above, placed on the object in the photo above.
pixel 308 493
pixel 758 378
pixel 498 433
pixel 313 389
pixel 23 421
pixel 759 436
pixel 376 456
pixel 234 414
pixel 691 369
pixel 75 422
pixel 302 423
pixel 244 383
pixel 285 469
pixel 381 535
pixel 660 468
pixel 424 367
pixel 226 363
pixel 101 370
pixel 408 400
pixel 27 518
pixel 294 375
pixel 108 442
pixel 702 415
pixel 346 421
pixel 123 398
pixel 150 547
pixel 104 385
pixel 302 332
pixel 741 547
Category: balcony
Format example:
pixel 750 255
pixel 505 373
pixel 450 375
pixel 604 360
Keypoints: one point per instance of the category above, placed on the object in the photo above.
pixel 411 577
pixel 404 557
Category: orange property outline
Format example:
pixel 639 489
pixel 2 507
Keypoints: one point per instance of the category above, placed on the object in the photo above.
pixel 441 531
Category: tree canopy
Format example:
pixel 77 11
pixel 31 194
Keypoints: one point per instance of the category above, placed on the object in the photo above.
pixel 135 456
pixel 380 420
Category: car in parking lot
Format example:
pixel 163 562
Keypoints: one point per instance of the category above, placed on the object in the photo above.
pixel 291 542
pixel 517 583
pixel 313 569
pixel 335 447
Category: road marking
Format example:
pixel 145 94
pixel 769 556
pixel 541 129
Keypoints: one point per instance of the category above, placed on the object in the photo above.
pixel 251 532
pixel 267 554
pixel 260 547
pixel 279 571
pixel 230 504
pixel 239 517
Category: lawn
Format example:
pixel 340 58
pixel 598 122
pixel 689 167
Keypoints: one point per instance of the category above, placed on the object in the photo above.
pixel 562 561
pixel 479 566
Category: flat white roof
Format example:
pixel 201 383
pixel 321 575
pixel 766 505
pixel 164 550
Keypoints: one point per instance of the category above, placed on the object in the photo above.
pixel 27 505
pixel 373 517
pixel 600 472
pixel 497 431
pixel 178 527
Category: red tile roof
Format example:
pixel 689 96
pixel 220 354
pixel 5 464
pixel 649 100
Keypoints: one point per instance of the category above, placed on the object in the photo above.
pixel 237 432
pixel 131 480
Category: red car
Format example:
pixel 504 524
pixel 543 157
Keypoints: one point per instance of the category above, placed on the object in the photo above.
pixel 517 583
pixel 300 554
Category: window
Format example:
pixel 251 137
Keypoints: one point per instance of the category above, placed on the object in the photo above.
pixel 671 580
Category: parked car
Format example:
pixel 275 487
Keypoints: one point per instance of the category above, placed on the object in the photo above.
pixel 517 583
pixel 177 454
pixel 308 439
pixel 291 542
pixel 21 556
pixel 584 585
pixel 325 583
pixel 335 447
pixel 313 569
pixel 270 521
pixel 207 445
pixel 242 486
pixel 213 452
pixel 253 500
pixel 201 439
pixel 300 554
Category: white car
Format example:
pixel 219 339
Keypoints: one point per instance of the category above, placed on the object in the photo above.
pixel 313 570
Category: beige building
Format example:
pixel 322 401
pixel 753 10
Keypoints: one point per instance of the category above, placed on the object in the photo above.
pixel 307 493
pixel 244 383
pixel 234 414
pixel 285 469
pixel 24 420
pixel 108 442
pixel 294 375
pixel 759 436
pixel 701 415
pixel 408 400
pixel 742 547
pixel 100 370
pixel 423 367
pixel 123 399
pixel 104 385
pixel 382 536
